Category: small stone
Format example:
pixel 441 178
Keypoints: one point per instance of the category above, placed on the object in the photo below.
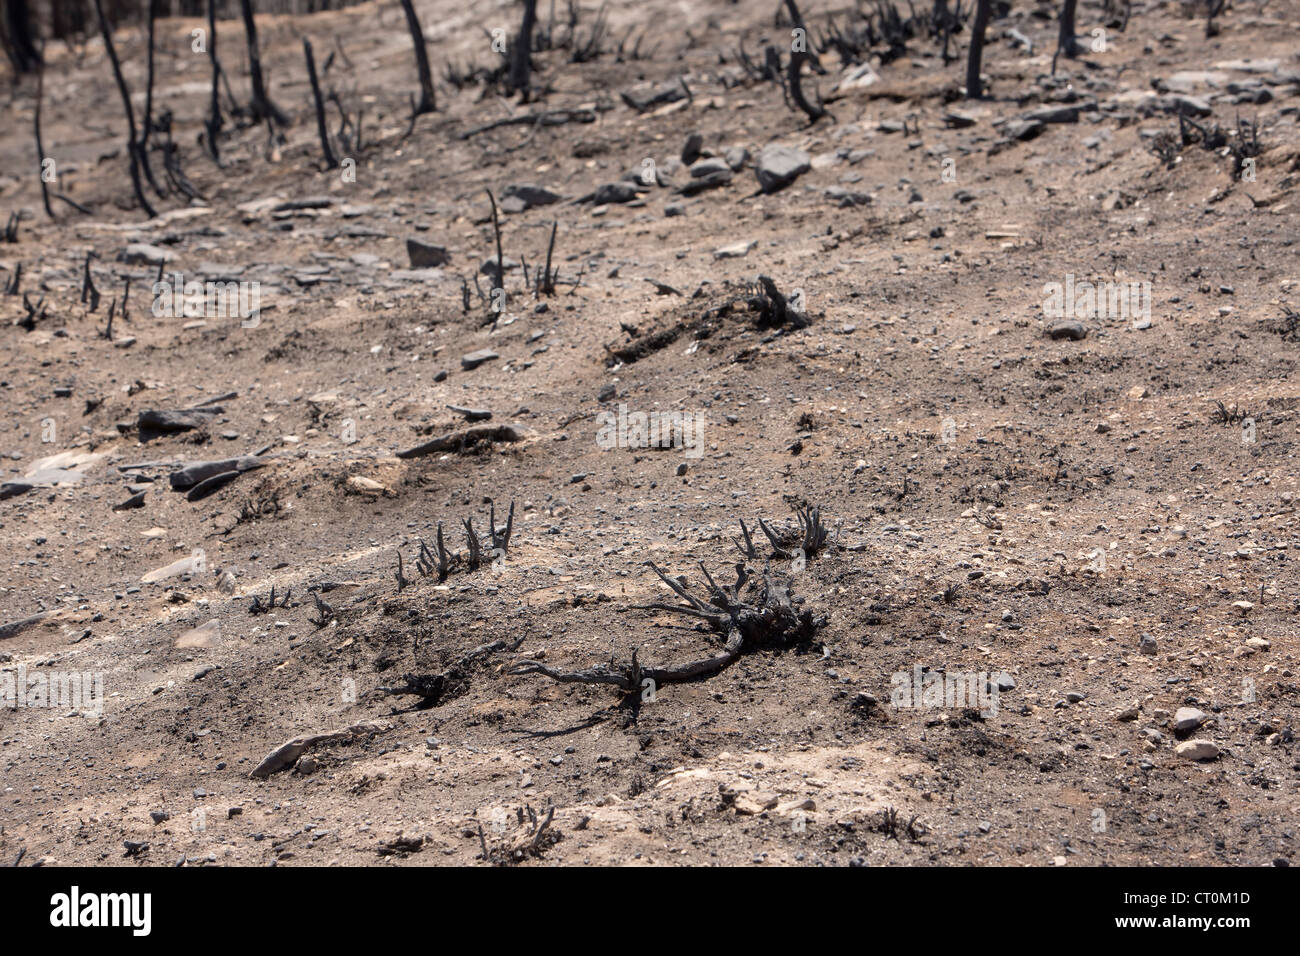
pixel 1187 719
pixel 1068 330
pixel 691 150
pixel 755 802
pixel 424 255
pixel 364 485
pixel 473 360
pixel 143 254
pixel 1197 750
pixel 736 157
pixel 737 250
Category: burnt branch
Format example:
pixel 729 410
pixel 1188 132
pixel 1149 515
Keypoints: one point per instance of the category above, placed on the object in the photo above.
pixel 763 616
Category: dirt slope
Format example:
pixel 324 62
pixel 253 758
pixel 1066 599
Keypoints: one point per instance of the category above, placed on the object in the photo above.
pixel 1084 493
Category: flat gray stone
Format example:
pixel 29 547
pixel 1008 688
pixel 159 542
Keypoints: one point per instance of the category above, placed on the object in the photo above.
pixel 779 166
pixel 473 360
pixel 425 255
pixel 143 254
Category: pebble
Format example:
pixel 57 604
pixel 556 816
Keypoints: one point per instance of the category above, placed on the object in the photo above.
pixel 1197 750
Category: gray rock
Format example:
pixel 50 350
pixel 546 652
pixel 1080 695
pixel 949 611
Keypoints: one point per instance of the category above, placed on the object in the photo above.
pixel 706 167
pixel 208 485
pixel 473 360
pixel 1053 114
pixel 200 471
pixel 472 414
pixel 1177 103
pixel 1068 330
pixel 619 192
pixel 736 157
pixel 691 151
pixel 712 180
pixel 425 255
pixel 1187 719
pixel 779 166
pixel 736 250
pixel 530 195
pixel 158 420
pixel 489 266
pixel 143 254
pixel 1197 750
pixel 1022 129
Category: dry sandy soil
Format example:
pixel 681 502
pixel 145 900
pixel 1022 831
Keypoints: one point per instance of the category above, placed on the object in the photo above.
pixel 1085 494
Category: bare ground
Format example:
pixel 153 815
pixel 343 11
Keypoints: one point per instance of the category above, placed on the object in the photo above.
pixel 926 301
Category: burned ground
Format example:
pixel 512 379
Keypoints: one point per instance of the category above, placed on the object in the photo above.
pixel 1104 523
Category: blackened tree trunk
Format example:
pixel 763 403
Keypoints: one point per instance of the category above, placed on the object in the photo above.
pixel 20 42
pixel 330 161
pixel 132 141
pixel 262 106
pixel 147 127
pixel 427 102
pixel 1065 42
pixel 523 50
pixel 975 58
pixel 213 122
pixel 40 148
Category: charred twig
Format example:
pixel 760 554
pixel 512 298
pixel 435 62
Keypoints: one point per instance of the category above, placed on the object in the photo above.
pixel 324 613
pixel 400 574
pixel 545 118
pixel 500 539
pixel 546 283
pixel 257 607
pixel 475 554
pixel 88 290
pixel 40 150
pixel 35 313
pixel 747 550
